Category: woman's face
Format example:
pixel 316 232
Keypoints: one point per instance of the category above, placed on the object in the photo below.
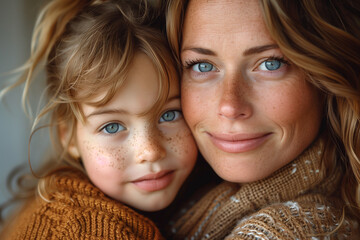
pixel 251 110
pixel 136 158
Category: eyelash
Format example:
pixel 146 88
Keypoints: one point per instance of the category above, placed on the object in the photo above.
pixel 179 112
pixel 102 128
pixel 280 59
pixel 189 63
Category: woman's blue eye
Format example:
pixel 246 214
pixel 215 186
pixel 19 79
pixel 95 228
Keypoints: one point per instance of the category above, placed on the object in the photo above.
pixel 112 128
pixel 270 65
pixel 203 67
pixel 169 116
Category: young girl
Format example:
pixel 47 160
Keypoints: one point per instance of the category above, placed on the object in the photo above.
pixel 113 98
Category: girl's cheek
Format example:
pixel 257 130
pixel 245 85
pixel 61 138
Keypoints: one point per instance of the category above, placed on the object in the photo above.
pixel 120 156
pixel 102 161
pixel 104 157
pixel 182 143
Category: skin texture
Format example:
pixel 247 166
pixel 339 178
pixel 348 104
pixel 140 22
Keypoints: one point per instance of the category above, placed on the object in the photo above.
pixel 249 109
pixel 142 144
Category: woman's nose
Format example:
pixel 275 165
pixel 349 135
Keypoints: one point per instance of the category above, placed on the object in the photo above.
pixel 150 149
pixel 234 102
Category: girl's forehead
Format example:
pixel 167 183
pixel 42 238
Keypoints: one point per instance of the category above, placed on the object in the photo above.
pixel 139 91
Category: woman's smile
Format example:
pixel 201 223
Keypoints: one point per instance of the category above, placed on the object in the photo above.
pixel 238 143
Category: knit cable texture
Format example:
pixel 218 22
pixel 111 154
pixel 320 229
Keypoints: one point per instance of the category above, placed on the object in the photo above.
pixel 293 203
pixel 79 210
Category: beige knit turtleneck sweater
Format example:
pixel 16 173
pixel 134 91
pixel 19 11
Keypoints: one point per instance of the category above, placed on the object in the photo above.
pixel 296 202
pixel 79 210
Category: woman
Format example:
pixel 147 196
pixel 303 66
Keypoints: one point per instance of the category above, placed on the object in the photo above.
pixel 271 92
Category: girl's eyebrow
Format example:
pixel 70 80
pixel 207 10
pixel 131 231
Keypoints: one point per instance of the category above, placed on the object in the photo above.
pixel 106 111
pixel 172 98
pixel 122 111
pixel 204 51
pixel 247 52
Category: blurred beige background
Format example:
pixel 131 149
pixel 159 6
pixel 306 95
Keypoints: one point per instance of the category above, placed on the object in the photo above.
pixel 17 18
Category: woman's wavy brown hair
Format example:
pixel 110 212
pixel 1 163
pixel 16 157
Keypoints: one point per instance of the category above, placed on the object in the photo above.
pixel 322 38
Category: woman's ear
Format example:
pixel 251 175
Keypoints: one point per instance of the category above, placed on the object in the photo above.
pixel 68 141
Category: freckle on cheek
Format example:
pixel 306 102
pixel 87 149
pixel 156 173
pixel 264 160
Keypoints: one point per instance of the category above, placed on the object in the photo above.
pixel 116 157
pixel 87 145
pixel 106 157
pixel 119 155
pixel 178 143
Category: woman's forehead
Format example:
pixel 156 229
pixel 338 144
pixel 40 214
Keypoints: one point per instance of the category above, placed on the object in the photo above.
pixel 221 24
pixel 218 9
pixel 222 16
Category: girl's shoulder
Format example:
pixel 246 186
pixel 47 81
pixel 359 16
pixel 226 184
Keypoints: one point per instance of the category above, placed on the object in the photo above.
pixel 75 207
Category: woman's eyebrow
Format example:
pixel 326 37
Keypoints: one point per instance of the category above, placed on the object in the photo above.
pixel 247 52
pixel 204 51
pixel 259 49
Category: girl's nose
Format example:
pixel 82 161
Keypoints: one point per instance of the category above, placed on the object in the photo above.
pixel 150 149
pixel 234 102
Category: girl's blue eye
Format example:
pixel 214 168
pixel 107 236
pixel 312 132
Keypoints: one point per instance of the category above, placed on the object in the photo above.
pixel 112 128
pixel 169 116
pixel 203 67
pixel 270 65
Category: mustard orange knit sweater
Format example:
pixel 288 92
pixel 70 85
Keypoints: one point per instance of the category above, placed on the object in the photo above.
pixel 79 210
pixel 296 202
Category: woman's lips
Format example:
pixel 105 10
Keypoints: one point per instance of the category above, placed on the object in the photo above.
pixel 238 143
pixel 154 182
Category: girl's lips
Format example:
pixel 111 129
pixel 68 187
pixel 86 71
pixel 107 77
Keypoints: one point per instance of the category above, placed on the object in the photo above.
pixel 238 143
pixel 154 182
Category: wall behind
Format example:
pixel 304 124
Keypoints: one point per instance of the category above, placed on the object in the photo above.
pixel 17 18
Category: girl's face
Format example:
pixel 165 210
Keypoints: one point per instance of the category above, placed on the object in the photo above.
pixel 250 110
pixel 139 160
